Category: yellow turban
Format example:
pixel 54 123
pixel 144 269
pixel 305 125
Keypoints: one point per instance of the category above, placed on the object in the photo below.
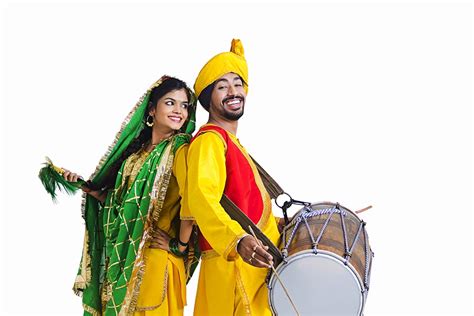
pixel 233 61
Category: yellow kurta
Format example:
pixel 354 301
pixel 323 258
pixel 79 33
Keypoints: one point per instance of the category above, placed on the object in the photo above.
pixel 163 288
pixel 227 285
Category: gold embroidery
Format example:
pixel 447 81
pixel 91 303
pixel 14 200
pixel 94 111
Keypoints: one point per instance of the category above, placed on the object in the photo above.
pixel 241 288
pixel 231 251
pixel 209 254
pixel 165 289
pixel 83 279
pixel 160 184
pixel 132 167
pixel 91 310
pixel 267 207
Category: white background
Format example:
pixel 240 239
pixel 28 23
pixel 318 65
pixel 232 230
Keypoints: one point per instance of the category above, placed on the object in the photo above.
pixel 351 102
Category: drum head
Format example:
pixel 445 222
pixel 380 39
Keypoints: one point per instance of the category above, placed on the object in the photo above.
pixel 318 285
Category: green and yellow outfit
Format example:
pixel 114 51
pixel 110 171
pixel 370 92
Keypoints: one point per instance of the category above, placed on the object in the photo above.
pixel 119 274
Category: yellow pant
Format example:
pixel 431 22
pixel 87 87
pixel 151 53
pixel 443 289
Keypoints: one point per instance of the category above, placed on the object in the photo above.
pixel 231 288
pixel 163 288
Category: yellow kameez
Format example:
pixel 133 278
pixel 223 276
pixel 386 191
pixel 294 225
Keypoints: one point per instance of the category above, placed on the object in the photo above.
pixel 163 288
pixel 227 285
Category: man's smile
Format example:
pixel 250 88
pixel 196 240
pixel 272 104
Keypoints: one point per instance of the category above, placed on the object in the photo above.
pixel 233 103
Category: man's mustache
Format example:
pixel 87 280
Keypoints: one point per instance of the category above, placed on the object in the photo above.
pixel 241 98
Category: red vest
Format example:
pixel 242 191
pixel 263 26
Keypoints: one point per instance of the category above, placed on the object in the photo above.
pixel 240 186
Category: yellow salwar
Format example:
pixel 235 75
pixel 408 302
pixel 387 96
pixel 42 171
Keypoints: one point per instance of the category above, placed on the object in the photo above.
pixel 163 287
pixel 163 290
pixel 227 285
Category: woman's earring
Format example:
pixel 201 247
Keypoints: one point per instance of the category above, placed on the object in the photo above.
pixel 148 123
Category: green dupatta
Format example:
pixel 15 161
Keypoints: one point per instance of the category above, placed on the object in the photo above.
pixel 112 263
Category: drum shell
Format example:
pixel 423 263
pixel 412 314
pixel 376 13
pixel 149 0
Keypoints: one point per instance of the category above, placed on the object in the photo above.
pixel 332 239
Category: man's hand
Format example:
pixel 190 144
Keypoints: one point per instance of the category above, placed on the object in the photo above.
pixel 254 253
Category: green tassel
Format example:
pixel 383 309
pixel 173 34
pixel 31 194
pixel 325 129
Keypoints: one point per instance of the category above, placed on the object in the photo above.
pixel 52 179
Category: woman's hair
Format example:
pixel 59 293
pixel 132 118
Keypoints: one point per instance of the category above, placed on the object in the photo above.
pixel 168 85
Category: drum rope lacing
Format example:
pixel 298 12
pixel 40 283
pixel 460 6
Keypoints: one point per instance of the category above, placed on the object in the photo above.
pixel 309 213
pixel 304 216
pixel 347 254
pixel 367 264
pixel 356 238
pixel 313 242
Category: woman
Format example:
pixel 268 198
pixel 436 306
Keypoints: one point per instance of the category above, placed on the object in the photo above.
pixel 131 206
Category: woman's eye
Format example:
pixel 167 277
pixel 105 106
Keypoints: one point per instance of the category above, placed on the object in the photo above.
pixel 184 105
pixel 169 103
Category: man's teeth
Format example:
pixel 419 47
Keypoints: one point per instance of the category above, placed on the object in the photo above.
pixel 234 101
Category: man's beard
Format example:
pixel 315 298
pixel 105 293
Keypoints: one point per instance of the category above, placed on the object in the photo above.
pixel 232 115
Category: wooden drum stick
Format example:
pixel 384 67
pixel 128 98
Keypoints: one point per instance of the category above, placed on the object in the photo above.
pixel 276 274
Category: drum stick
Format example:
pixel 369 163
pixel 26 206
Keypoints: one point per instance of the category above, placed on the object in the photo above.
pixel 276 274
pixel 364 209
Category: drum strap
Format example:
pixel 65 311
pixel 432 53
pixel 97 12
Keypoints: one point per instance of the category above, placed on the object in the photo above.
pixel 273 188
pixel 236 214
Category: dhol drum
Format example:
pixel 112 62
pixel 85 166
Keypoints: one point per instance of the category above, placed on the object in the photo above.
pixel 326 265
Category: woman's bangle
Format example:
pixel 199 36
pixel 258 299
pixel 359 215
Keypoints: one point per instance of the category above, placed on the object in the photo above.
pixel 184 244
pixel 174 248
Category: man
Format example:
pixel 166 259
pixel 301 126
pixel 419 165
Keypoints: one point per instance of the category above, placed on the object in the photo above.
pixel 234 264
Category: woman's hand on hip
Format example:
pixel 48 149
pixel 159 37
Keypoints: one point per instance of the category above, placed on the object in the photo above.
pixel 160 239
